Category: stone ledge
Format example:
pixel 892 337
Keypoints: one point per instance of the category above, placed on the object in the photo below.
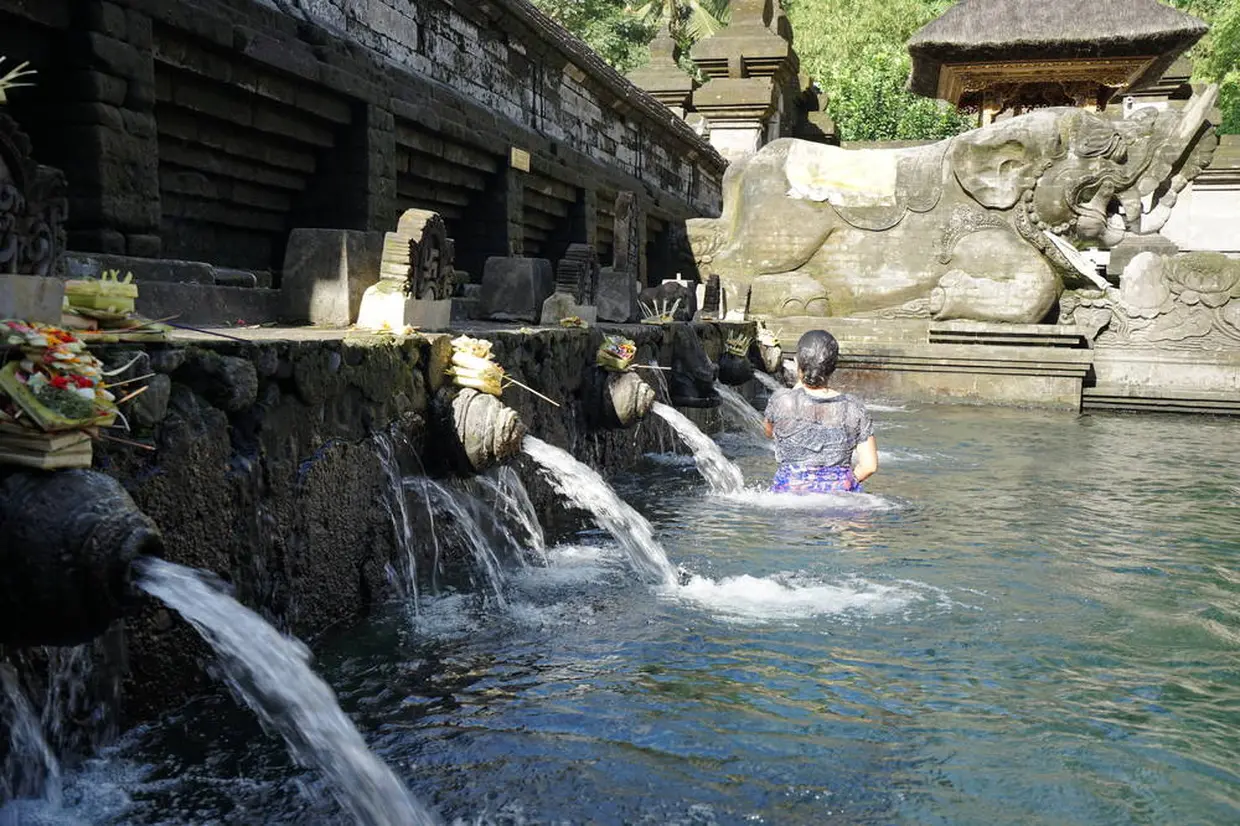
pixel 970 358
pixel 1141 399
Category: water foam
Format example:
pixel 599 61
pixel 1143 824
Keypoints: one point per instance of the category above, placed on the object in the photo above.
pixel 784 597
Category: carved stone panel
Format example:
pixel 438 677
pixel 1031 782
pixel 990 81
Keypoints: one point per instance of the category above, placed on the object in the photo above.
pixel 33 206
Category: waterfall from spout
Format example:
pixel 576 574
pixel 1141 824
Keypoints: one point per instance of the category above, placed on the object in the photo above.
pixel 30 769
pixel 767 380
pixel 271 674
pixel 738 408
pixel 587 490
pixel 720 474
pixel 471 532
pixel 397 505
pixel 512 504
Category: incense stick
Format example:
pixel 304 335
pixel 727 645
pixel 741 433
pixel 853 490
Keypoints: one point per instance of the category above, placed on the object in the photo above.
pixel 511 380
pixel 128 442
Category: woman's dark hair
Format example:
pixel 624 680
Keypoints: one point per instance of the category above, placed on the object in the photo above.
pixel 817 352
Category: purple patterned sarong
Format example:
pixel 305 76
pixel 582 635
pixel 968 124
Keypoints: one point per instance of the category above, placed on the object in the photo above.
pixel 802 479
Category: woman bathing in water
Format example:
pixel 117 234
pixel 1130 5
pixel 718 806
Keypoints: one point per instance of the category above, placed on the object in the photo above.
pixel 817 429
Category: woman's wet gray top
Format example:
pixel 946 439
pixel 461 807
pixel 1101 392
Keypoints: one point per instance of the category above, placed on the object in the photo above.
pixel 817 432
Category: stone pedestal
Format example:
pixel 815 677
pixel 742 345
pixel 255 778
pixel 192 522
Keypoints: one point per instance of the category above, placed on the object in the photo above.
pixel 31 298
pixel 386 305
pixel 326 273
pixel 617 296
pixel 514 289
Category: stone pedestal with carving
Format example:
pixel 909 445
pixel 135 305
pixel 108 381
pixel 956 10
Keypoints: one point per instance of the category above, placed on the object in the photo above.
pixel 416 276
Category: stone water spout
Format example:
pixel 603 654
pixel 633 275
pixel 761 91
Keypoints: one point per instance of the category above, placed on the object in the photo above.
pixel 68 542
pixel 472 431
pixel 692 380
pixel 616 400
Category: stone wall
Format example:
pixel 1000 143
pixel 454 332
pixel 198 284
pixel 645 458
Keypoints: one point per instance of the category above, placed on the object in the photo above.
pixel 267 473
pixel 208 129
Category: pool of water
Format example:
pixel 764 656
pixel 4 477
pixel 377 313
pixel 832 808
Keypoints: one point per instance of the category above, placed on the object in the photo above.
pixel 1028 618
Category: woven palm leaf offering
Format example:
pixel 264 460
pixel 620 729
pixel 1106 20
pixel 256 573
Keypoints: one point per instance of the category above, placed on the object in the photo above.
pixel 472 366
pixel 616 353
pixel 53 397
pixel 104 309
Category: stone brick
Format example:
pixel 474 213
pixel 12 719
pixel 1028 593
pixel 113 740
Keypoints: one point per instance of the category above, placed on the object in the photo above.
pixel 118 58
pixel 515 288
pixel 143 246
pixel 98 87
pixel 107 18
pixel 92 113
pixel 97 240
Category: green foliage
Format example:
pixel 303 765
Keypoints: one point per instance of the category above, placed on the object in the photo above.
pixel 854 50
pixel 1217 57
pixel 618 36
pixel 688 20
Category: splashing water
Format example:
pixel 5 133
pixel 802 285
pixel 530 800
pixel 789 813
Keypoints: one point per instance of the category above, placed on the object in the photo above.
pixel 270 673
pixel 457 505
pixel 738 408
pixel 587 490
pixel 397 505
pixel 767 380
pixel 31 770
pixel 719 473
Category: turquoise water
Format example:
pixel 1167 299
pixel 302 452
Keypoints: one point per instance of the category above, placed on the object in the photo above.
pixel 1029 618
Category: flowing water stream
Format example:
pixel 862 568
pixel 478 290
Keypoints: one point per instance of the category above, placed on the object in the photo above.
pixel 738 409
pixel 586 489
pixel 270 673
pixel 30 769
pixel 720 474
pixel 767 380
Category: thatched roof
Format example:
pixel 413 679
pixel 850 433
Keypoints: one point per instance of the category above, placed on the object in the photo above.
pixel 978 31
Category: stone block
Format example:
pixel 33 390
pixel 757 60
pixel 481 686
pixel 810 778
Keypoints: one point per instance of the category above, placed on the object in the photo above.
pixel 617 296
pixel 385 305
pixel 514 289
pixel 143 246
pixel 206 304
pixel 561 306
pixel 92 265
pixel 31 298
pixel 326 273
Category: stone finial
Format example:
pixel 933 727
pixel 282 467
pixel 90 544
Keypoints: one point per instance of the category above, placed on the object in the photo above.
pixel 662 76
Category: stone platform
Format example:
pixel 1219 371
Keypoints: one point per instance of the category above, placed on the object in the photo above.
pixel 1029 365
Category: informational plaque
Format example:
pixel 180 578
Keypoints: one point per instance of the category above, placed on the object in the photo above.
pixel 520 159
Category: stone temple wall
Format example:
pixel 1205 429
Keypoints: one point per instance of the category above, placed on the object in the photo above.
pixel 208 129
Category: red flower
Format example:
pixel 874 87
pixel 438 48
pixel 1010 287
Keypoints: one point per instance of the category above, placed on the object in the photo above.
pixel 82 381
pixel 60 382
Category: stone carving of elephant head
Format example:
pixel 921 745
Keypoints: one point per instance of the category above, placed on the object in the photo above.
pixel 1084 178
pixel 985 226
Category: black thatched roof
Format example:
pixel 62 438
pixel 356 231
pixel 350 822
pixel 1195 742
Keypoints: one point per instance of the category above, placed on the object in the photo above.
pixel 975 31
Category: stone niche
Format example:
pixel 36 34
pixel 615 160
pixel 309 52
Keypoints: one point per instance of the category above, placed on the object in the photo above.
pixel 33 205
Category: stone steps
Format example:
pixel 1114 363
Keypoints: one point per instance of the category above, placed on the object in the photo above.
pixel 1136 399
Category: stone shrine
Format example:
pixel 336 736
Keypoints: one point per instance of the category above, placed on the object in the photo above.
pixel 1006 57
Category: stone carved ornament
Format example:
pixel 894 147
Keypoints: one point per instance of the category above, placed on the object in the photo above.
pixel 420 255
pixel 983 226
pixel 33 206
pixel 577 274
pixel 1188 301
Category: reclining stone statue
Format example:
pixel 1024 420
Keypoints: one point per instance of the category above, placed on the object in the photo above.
pixel 984 226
